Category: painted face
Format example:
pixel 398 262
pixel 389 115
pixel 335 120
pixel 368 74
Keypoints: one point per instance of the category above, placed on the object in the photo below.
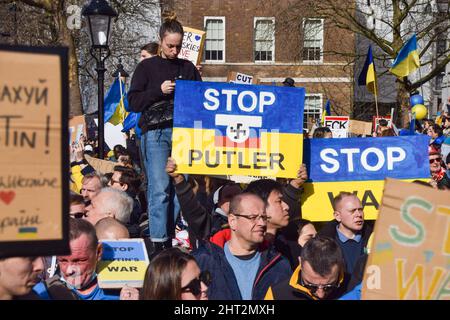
pixel 277 210
pixel 91 187
pixel 319 286
pixel 18 275
pixel 171 45
pixel 96 210
pixel 350 214
pixel 308 232
pixel 79 267
pixel 192 286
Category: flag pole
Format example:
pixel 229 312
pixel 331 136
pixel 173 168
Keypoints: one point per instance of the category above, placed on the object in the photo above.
pixel 376 104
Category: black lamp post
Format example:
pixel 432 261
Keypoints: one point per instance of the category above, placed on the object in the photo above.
pixel 99 15
pixel 120 71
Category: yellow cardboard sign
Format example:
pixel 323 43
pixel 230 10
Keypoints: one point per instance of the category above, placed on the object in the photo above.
pixel 33 144
pixel 410 255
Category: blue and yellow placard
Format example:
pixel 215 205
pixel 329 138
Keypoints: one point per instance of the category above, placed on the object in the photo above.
pixel 124 262
pixel 359 165
pixel 235 129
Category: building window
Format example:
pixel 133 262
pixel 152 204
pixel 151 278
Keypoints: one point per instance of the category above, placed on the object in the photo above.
pixel 312 110
pixel 264 39
pixel 312 39
pixel 215 39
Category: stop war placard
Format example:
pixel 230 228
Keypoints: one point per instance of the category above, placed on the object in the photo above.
pixel 124 262
pixel 359 165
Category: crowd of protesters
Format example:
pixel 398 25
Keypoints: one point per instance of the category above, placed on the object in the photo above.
pixel 206 237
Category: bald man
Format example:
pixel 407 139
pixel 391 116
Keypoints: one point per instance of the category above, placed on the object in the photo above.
pixel 111 229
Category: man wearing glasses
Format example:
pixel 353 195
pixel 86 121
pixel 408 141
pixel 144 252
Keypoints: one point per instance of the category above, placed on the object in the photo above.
pixel 319 275
pixel 240 271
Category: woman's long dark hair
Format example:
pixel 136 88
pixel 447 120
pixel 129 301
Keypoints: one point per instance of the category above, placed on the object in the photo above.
pixel 163 276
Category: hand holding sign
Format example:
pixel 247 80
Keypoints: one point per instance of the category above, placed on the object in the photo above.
pixel 129 293
pixel 171 167
pixel 167 87
pixel 302 176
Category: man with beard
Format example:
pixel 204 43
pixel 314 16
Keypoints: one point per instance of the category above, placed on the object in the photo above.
pixel 348 229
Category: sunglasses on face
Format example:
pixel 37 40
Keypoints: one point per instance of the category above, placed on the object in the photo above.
pixel 77 215
pixel 435 160
pixel 195 286
pixel 314 287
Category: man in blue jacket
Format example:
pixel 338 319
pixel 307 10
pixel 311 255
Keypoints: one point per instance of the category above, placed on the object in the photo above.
pixel 240 271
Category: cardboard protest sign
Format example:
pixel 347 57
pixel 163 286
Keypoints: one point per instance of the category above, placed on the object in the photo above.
pixel 360 127
pixel 33 141
pixel 233 129
pixel 77 127
pixel 338 125
pixel 101 166
pixel 409 256
pixel 359 165
pixel 237 77
pixel 192 46
pixel 124 262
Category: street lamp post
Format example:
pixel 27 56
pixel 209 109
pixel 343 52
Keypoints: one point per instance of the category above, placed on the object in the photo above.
pixel 99 16
pixel 120 71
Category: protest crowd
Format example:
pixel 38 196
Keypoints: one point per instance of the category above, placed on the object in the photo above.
pixel 206 237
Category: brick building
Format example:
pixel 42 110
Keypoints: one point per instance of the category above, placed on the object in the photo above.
pixel 272 41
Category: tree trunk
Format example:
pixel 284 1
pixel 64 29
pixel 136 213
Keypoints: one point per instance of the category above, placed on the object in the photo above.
pixel 75 104
pixel 403 105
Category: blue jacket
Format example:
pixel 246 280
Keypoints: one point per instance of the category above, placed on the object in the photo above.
pixel 273 269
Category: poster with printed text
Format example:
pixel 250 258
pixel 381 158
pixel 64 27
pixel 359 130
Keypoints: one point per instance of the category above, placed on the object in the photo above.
pixel 359 166
pixel 33 142
pixel 236 129
pixel 410 252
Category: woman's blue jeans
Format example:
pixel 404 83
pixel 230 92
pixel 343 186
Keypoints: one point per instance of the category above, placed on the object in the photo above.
pixel 163 206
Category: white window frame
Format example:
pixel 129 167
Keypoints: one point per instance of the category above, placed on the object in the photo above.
pixel 224 39
pixel 320 96
pixel 255 20
pixel 321 42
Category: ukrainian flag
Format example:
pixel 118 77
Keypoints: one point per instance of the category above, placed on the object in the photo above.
pixel 326 112
pixel 407 59
pixel 368 76
pixel 116 103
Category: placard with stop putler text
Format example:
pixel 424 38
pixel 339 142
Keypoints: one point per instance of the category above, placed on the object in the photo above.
pixel 236 129
pixel 359 165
